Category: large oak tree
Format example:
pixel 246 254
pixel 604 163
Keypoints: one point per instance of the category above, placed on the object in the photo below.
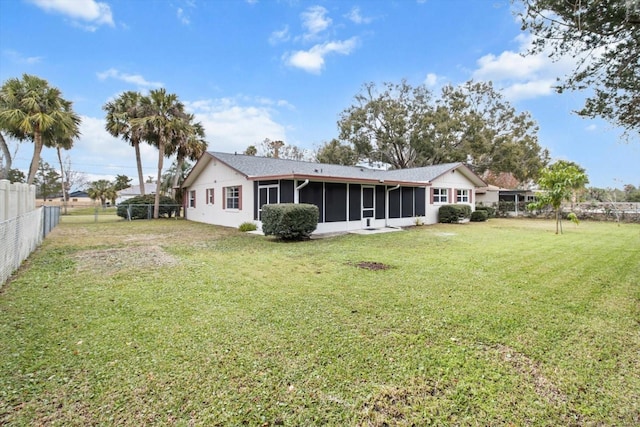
pixel 407 126
pixel 604 38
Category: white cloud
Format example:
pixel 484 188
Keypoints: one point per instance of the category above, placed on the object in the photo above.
pixel 591 128
pixel 184 19
pixel 231 127
pixel 431 80
pixel 312 60
pixel 529 89
pixel 522 76
pixel 102 156
pixel 20 58
pixel 315 20
pixel 89 11
pixel 355 16
pixel 279 36
pixel 135 79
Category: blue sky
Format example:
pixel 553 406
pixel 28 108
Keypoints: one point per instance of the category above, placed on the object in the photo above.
pixel 256 69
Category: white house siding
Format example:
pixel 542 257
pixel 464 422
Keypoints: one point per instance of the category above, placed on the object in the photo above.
pixel 219 176
pixel 453 181
pixel 216 175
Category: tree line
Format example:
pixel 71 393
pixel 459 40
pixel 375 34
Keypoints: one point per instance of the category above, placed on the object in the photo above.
pixel 394 123
pixel 32 110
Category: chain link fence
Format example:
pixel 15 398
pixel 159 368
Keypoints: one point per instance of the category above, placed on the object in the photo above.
pixel 21 235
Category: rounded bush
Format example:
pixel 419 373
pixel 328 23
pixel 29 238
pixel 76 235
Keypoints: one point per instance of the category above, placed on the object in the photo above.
pixel 491 211
pixel 141 207
pixel 289 221
pixel 479 216
pixel 450 214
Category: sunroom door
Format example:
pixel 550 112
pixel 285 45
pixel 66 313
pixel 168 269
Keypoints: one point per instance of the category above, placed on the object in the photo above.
pixel 267 195
pixel 368 206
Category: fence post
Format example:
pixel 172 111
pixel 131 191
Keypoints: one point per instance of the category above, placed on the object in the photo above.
pixel 4 199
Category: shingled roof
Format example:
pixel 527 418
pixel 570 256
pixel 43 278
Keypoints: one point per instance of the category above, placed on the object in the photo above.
pixel 264 168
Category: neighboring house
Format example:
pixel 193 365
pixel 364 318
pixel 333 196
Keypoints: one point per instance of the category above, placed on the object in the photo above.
pixel 79 198
pixel 229 189
pixel 514 202
pixel 75 199
pixel 487 196
pixel 134 191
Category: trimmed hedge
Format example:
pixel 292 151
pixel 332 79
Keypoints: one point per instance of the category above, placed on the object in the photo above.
pixel 450 214
pixel 479 215
pixel 141 210
pixel 289 221
pixel 491 211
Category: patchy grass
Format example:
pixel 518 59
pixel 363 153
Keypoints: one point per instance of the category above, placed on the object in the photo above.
pixel 175 323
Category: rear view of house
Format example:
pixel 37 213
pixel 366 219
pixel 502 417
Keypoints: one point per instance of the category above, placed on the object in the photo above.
pixel 229 189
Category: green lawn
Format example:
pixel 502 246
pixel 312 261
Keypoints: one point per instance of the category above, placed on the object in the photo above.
pixel 175 323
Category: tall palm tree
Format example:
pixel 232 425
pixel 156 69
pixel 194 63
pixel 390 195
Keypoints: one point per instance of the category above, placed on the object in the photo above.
pixel 188 143
pixel 62 139
pixel 120 114
pixel 162 116
pixel 30 108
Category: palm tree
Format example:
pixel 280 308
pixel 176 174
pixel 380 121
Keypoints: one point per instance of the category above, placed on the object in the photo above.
pixel 103 190
pixel 162 116
pixel 30 108
pixel 62 139
pixel 188 143
pixel 120 114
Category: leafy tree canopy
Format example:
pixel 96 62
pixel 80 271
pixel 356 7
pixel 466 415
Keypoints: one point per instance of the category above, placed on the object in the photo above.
pixel 559 182
pixel 336 153
pixel 47 181
pixel 251 151
pixel 603 35
pixel 121 182
pixel 406 126
pixel 31 109
pixel 278 149
pixel 16 175
pixel 102 190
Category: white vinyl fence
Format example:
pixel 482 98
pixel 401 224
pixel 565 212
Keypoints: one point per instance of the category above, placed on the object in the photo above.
pixel 22 227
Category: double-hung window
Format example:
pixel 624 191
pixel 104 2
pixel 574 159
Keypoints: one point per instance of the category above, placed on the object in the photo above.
pixel 462 196
pixel 192 198
pixel 210 196
pixel 232 197
pixel 440 195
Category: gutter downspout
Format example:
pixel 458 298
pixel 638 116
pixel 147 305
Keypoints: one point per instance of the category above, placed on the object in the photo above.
pixel 386 203
pixel 296 195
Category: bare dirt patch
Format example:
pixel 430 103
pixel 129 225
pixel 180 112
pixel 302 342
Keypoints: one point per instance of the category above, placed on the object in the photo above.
pixel 370 265
pixel 109 261
pixel 396 405
pixel 530 369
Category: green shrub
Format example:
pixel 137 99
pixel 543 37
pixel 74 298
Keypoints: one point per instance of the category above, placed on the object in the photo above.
pixel 289 221
pixel 247 226
pixel 142 207
pixel 479 215
pixel 453 213
pixel 491 211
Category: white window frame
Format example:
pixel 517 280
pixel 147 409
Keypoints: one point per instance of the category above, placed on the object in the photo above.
pixel 440 195
pixel 462 195
pixel 192 198
pixel 210 198
pixel 232 194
